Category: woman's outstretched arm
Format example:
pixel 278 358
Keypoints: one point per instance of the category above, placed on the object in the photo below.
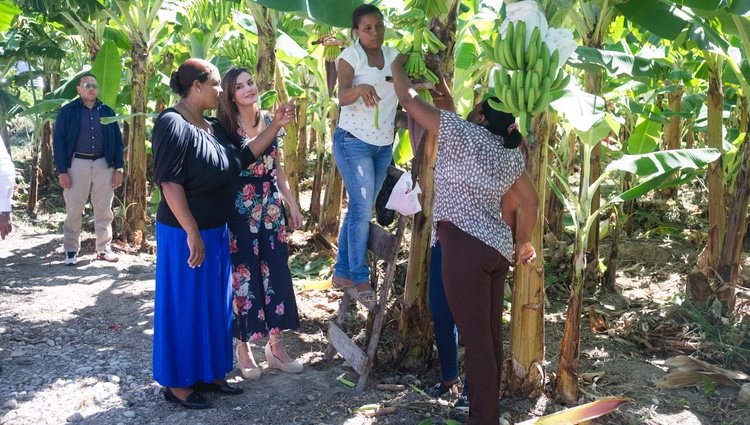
pixel 424 113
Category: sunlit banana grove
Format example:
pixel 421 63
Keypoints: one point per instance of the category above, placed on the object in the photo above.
pixel 624 105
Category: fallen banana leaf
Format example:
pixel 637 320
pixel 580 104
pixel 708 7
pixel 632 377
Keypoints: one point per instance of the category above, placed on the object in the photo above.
pixel 689 378
pixel 685 363
pixel 345 381
pixel 419 391
pixel 316 284
pixel 578 414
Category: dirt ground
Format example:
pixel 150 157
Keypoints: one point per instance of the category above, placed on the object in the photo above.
pixel 75 346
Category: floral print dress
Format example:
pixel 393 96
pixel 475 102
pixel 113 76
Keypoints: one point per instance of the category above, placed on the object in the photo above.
pixel 264 299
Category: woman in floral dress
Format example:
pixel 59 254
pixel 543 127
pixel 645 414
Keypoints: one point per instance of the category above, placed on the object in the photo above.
pixel 264 301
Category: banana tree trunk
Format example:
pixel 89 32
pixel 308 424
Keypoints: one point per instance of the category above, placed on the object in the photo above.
pixel 415 329
pixel 689 134
pixel 566 385
pixel 266 23
pixel 672 132
pixel 525 367
pixel 289 150
pixel 731 250
pixel 135 192
pixel 302 106
pixel 317 186
pixel 717 226
pixel 33 173
pixel 331 210
pixel 46 164
pixel 593 85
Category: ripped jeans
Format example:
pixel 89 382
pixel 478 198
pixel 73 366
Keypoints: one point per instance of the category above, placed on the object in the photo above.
pixel 363 168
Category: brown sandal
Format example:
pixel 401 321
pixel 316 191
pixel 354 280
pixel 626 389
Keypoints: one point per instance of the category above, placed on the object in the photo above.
pixel 339 282
pixel 367 295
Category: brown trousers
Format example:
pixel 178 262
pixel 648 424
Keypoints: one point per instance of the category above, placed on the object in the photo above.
pixel 474 281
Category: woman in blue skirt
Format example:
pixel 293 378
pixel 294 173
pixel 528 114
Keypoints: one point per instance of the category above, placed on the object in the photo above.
pixel 264 301
pixel 195 165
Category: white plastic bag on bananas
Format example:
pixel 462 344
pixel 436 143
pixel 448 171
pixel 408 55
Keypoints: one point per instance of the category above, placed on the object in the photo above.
pixel 562 40
pixel 403 198
pixel 527 11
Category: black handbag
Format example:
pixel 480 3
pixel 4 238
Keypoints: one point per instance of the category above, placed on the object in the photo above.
pixel 383 215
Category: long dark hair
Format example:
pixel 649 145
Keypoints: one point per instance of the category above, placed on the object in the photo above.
pixel 498 123
pixel 228 114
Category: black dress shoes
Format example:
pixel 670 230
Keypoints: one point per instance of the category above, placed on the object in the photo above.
pixel 223 388
pixel 193 400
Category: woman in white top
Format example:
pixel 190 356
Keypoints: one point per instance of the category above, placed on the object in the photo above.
pixel 362 144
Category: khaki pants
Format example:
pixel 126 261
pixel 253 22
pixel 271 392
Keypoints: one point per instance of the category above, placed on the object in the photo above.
pixel 94 178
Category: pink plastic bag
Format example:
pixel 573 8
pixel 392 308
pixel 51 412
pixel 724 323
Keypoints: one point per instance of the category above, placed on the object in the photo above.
pixel 404 198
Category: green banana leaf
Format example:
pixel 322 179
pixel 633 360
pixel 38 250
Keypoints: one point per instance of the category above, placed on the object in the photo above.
pixel 268 99
pixel 643 188
pixel 739 7
pixel 288 50
pixel 43 107
pixel 645 138
pixel 596 133
pixel 8 11
pixel 617 63
pixel 403 152
pixel 333 12
pixel 108 72
pixel 582 110
pixel 656 163
pixel 659 17
pixel 127 117
pixel 120 39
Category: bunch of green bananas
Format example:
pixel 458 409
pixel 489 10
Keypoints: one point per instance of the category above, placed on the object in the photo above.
pixel 415 68
pixel 535 73
pixel 330 39
pixel 239 51
pixel 431 8
pixel 432 42
pixel 408 18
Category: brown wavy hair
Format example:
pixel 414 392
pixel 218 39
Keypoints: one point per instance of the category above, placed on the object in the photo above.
pixel 228 114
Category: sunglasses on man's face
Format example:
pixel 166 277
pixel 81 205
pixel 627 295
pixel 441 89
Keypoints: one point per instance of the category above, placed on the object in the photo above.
pixel 88 86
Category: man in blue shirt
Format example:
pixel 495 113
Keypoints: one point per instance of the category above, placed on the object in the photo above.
pixel 89 161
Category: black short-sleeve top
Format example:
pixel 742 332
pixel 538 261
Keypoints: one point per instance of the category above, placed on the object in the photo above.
pixel 205 164
pixel 472 173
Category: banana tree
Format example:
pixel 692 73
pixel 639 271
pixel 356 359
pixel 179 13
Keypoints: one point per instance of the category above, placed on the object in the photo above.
pixel 658 167
pixel 709 26
pixel 144 22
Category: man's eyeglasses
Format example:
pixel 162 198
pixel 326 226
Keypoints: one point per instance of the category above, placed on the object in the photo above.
pixel 88 86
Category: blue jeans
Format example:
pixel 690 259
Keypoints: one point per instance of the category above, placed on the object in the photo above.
pixel 363 168
pixel 446 332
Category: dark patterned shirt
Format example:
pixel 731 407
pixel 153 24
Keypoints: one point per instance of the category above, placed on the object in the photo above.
pixel 472 173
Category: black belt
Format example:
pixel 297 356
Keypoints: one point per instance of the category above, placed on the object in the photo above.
pixel 90 157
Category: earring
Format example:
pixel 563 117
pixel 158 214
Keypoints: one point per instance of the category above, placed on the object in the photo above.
pixel 199 90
